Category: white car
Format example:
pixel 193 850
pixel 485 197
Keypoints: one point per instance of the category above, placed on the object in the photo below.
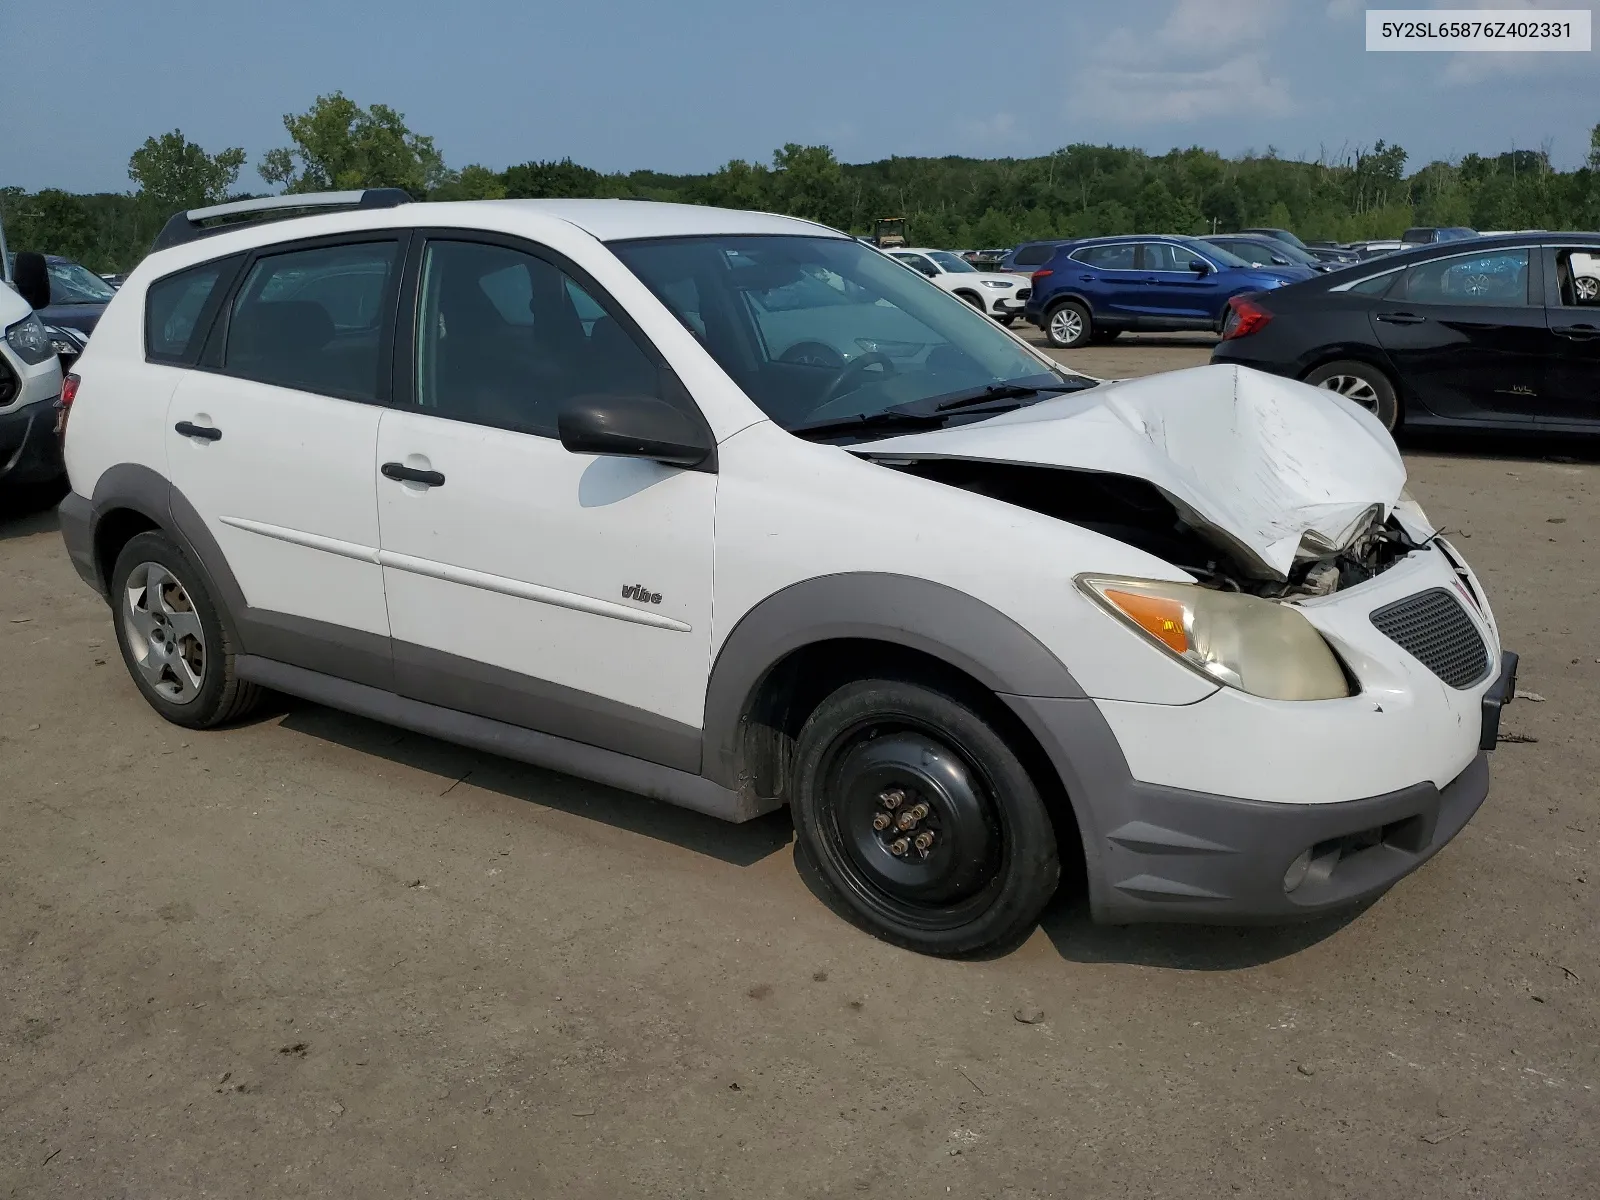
pixel 1585 270
pixel 997 293
pixel 30 378
pixel 532 476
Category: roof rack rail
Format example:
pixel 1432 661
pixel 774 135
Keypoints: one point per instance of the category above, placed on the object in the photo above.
pixel 218 218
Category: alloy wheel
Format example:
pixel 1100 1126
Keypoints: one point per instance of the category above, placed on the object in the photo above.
pixel 1066 325
pixel 1353 387
pixel 164 633
pixel 1587 287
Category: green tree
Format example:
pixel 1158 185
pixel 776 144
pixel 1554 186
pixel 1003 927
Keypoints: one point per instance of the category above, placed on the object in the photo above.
pixel 809 183
pixel 471 183
pixel 339 145
pixel 174 173
pixel 553 180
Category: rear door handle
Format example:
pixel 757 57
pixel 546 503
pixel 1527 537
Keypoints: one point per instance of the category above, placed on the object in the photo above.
pixel 206 433
pixel 401 473
pixel 1401 318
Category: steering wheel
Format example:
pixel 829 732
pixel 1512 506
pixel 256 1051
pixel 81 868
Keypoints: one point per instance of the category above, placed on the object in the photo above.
pixel 852 375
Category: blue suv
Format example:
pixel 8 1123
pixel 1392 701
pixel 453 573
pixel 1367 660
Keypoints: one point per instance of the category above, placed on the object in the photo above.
pixel 1092 290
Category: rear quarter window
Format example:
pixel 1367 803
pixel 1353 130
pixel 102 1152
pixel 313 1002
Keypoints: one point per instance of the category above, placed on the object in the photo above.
pixel 178 310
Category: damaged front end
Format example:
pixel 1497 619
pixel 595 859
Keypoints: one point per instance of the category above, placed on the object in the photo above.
pixel 1139 514
pixel 1249 482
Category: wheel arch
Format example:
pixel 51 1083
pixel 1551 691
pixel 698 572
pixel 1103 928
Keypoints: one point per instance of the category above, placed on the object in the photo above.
pixel 797 645
pixel 1056 299
pixel 129 499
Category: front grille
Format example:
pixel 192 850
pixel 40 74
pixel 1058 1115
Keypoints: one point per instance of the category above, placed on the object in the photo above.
pixel 1435 630
pixel 1024 293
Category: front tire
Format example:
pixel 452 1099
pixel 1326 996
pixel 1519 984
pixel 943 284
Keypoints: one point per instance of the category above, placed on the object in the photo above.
pixel 1007 319
pixel 920 819
pixel 1362 383
pixel 172 638
pixel 1068 325
pixel 973 299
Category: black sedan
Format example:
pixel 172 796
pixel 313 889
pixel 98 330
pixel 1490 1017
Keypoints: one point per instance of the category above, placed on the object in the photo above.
pixel 1499 333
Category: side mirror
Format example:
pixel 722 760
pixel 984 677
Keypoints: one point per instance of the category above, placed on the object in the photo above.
pixel 32 278
pixel 628 426
pixel 1199 266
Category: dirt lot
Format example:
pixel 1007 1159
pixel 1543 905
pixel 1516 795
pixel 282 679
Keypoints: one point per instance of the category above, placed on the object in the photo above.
pixel 317 956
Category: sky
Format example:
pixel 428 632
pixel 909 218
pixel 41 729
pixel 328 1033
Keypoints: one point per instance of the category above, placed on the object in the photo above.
pixel 686 86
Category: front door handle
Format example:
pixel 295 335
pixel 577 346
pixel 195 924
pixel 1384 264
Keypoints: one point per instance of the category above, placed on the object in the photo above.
pixel 1578 333
pixel 1401 318
pixel 206 433
pixel 401 473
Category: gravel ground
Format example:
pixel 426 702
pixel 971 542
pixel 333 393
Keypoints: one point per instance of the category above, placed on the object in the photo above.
pixel 313 955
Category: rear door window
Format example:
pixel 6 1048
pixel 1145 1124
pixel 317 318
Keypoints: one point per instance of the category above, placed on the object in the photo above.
pixel 315 319
pixel 1119 257
pixel 1033 256
pixel 1497 277
pixel 178 310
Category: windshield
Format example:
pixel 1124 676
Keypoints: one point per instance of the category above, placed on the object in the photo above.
pixel 819 330
pixel 71 283
pixel 1262 251
pixel 951 262
pixel 1220 256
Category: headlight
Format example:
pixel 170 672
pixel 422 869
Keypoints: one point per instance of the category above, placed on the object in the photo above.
pixel 29 339
pixel 65 341
pixel 1258 646
pixel 998 283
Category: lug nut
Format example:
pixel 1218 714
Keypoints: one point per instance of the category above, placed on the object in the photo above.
pixel 900 846
pixel 880 821
pixel 918 811
pixel 893 798
pixel 907 820
pixel 924 840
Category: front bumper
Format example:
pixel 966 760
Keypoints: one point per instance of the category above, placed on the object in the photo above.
pixel 1196 812
pixel 1159 853
pixel 30 452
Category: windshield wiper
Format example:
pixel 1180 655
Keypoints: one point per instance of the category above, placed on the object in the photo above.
pixel 1002 391
pixel 889 418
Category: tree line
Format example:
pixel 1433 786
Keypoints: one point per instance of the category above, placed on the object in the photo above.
pixel 1077 191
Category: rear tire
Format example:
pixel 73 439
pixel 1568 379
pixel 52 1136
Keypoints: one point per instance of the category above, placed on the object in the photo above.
pixel 172 637
pixel 920 820
pixel 1363 383
pixel 1068 325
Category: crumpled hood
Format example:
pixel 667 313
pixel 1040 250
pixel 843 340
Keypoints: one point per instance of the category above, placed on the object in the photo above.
pixel 1262 464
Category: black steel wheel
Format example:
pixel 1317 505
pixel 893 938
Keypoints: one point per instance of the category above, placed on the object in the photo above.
pixel 921 819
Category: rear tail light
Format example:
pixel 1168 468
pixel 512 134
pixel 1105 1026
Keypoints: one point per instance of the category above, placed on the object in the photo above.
pixel 69 393
pixel 1038 275
pixel 1244 317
